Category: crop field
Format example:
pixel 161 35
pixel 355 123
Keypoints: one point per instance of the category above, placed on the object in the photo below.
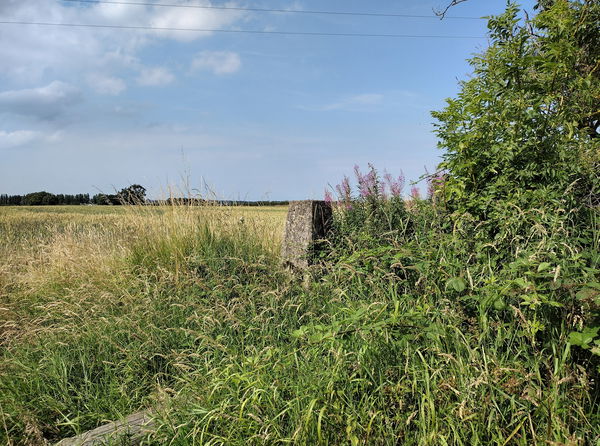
pixel 42 248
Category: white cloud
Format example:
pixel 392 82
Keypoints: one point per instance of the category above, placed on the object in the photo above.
pixel 30 52
pixel 17 138
pixel 106 84
pixel 46 103
pixel 219 62
pixel 184 18
pixel 155 76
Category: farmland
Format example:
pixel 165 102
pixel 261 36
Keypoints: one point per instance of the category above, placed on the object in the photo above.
pixel 44 248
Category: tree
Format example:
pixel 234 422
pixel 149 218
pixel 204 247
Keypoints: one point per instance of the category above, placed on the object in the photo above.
pixel 134 194
pixel 523 130
pixel 522 159
pixel 39 198
pixel 100 199
pixel 441 13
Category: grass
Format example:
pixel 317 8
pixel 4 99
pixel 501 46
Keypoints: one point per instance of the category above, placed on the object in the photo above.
pixel 187 311
pixel 85 292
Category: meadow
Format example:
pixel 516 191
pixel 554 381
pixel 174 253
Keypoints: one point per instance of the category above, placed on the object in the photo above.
pixel 82 300
pixel 187 311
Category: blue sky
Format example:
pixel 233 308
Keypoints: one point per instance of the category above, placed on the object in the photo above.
pixel 248 116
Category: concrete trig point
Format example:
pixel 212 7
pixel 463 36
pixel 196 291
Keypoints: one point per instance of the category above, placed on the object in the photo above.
pixel 307 222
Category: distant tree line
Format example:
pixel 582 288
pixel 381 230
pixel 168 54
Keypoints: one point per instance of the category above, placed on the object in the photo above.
pixel 43 198
pixel 186 201
pixel 254 203
pixel 134 194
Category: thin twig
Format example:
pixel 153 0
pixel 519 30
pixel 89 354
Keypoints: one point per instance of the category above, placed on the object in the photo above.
pixel 442 13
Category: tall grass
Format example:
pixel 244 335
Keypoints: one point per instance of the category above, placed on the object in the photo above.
pixel 186 311
pixel 382 349
pixel 89 303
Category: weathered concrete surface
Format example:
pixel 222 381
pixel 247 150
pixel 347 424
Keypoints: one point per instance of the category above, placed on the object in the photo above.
pixel 130 430
pixel 307 222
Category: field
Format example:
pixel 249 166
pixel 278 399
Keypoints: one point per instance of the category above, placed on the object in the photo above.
pixel 186 311
pixel 84 292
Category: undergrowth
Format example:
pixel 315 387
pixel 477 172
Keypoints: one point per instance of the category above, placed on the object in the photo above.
pixel 389 344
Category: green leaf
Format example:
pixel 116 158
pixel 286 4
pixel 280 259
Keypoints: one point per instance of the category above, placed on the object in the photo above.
pixel 587 293
pixel 499 304
pixel 521 283
pixel 457 284
pixel 299 333
pixel 583 339
pixel 544 266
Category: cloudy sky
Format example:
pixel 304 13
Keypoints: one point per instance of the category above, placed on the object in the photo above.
pixel 249 116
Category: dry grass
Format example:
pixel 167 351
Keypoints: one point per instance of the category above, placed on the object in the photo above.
pixel 85 249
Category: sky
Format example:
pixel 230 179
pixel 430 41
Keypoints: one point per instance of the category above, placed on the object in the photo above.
pixel 227 114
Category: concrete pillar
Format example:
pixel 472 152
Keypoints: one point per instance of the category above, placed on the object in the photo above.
pixel 307 222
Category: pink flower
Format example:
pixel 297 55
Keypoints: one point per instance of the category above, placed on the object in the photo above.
pixel 367 183
pixel 396 185
pixel 346 189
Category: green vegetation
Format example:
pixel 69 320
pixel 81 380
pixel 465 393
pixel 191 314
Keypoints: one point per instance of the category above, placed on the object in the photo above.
pixel 134 194
pixel 96 305
pixel 467 318
pixel 43 198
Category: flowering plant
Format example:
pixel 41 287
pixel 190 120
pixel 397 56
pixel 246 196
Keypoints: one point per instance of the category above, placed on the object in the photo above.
pixel 375 207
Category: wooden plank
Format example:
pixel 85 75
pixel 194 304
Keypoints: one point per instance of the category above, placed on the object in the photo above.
pixel 132 429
